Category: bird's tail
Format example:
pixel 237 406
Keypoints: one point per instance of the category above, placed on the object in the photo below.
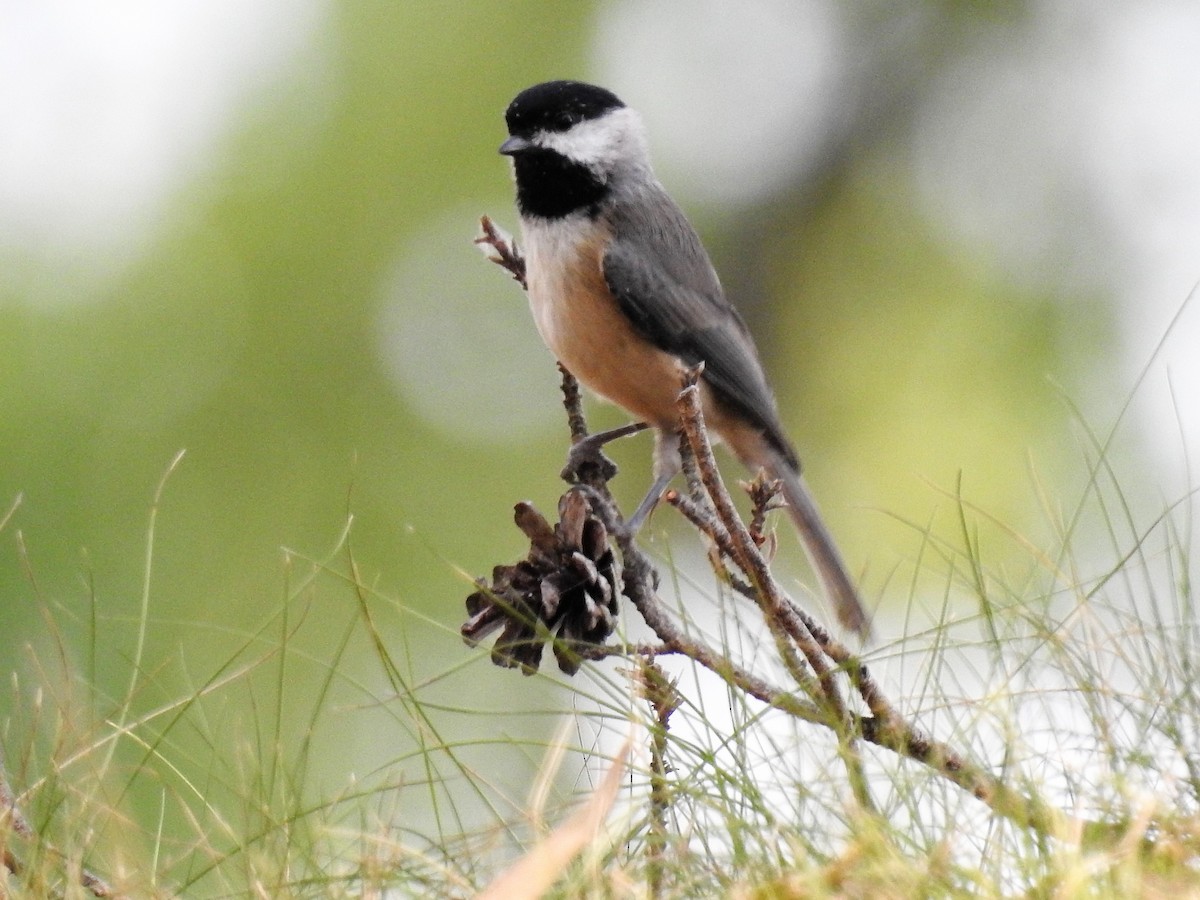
pixel 822 552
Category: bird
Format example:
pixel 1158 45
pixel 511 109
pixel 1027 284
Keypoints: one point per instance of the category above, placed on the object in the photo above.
pixel 625 296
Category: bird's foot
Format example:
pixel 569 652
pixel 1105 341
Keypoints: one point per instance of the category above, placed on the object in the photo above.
pixel 586 458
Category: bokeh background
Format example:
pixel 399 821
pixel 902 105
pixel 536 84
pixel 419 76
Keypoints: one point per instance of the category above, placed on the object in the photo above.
pixel 243 230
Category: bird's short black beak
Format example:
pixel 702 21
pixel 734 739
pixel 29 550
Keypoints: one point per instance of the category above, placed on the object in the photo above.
pixel 515 145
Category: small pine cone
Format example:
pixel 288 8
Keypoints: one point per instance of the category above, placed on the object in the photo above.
pixel 567 583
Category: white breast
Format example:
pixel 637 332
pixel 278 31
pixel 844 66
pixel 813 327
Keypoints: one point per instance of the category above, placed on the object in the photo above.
pixel 557 255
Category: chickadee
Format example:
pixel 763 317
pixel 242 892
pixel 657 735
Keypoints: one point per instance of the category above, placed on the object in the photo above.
pixel 625 297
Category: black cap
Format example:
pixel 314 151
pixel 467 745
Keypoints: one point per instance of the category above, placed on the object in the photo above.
pixel 557 105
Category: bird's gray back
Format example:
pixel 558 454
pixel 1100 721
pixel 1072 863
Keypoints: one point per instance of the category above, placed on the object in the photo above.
pixel 662 277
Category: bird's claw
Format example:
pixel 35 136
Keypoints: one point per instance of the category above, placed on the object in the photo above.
pixel 586 459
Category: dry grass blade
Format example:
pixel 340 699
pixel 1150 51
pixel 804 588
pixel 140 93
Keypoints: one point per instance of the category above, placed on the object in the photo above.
pixel 535 872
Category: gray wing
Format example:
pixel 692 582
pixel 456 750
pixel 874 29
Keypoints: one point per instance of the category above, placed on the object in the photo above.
pixel 664 282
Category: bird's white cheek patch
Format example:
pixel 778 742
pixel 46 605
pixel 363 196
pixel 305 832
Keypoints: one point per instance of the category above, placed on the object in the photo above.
pixel 598 143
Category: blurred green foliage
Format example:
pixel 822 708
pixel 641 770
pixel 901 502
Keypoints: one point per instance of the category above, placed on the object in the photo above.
pixel 247 336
